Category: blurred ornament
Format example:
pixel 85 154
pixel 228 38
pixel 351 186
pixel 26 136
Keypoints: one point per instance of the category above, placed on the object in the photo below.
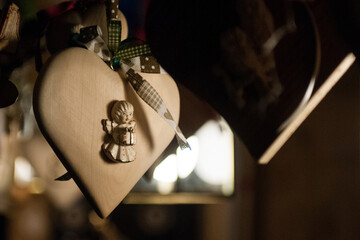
pixel 47 166
pixel 8 93
pixel 10 22
pixel 9 36
pixel 253 61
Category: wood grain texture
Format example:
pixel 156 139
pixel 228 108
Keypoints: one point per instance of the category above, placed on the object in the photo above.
pixel 73 94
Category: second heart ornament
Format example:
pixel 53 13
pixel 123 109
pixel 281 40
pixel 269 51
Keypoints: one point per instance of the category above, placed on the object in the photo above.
pixel 75 91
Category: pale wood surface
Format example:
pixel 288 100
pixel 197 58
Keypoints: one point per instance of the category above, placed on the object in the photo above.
pixel 72 96
pixel 94 85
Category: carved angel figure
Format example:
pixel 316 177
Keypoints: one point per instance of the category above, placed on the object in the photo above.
pixel 119 146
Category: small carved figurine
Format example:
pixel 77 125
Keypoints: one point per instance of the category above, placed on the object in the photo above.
pixel 119 147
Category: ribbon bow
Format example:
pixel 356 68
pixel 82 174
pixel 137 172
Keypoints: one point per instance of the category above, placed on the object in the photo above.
pixel 124 50
pixel 118 54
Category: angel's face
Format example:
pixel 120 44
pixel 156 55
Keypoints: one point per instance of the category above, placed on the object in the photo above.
pixel 126 117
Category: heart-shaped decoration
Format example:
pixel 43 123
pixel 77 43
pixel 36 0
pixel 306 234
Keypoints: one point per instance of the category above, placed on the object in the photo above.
pixel 74 93
pixel 245 66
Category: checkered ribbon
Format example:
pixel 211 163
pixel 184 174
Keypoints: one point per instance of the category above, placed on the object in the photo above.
pixel 132 52
pixel 122 51
pixel 154 100
pixel 114 28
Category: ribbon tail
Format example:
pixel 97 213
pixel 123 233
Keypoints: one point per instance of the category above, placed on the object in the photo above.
pixel 148 93
pixel 182 143
pixel 64 177
pixel 91 38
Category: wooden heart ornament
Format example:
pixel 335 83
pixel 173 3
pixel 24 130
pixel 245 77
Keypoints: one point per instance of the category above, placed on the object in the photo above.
pixel 74 94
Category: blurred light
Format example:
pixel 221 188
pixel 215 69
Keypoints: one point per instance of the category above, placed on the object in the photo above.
pixel 165 187
pixel 187 159
pixel 23 172
pixel 216 154
pixel 211 157
pixel 167 170
pixel 37 186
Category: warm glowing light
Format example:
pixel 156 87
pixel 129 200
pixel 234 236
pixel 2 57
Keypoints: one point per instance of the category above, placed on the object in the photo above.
pixel 165 187
pixel 211 157
pixel 23 172
pixel 167 170
pixel 216 153
pixel 37 186
pixel 187 158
